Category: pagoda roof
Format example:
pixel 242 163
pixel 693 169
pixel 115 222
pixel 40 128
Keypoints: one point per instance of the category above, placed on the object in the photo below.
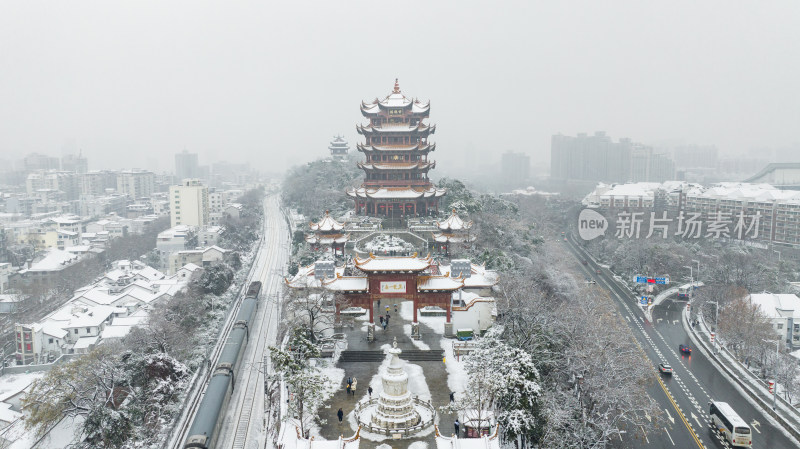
pixel 347 283
pixel 396 192
pixel 420 146
pixel 327 239
pixel 447 283
pixel 401 264
pixel 327 223
pixel 454 223
pixel 397 165
pixel 441 237
pixel 396 128
pixel 395 99
pixel 480 277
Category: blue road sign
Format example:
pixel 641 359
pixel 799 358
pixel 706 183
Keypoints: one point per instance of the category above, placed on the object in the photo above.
pixel 640 279
pixel 662 280
pixel 643 301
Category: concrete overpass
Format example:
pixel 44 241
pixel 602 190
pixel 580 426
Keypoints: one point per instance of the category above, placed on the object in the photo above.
pixel 784 175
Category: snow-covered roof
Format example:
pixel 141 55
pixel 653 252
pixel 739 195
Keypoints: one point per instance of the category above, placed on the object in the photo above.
pixel 305 277
pixel 328 240
pixel 327 224
pixel 85 342
pixel 54 260
pixel 397 165
pixel 347 284
pixel 454 223
pixel 479 277
pixel 777 305
pixel 429 283
pixel 378 263
pixel 396 192
pixel 8 415
pixel 441 237
pixel 115 331
pixel 290 438
pixel 484 442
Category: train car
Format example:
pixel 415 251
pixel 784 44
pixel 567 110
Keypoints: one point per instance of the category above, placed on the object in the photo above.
pixel 253 290
pixel 204 431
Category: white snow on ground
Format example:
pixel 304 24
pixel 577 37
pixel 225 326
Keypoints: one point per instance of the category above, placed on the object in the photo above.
pixel 384 446
pixel 334 376
pixel 418 445
pixel 456 374
pixel 383 243
pixel 435 323
pixel 418 343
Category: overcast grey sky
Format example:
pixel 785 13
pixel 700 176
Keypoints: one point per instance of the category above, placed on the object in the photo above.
pixel 131 83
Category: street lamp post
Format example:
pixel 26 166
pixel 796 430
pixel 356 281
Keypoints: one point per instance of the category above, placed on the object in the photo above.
pixel 691 281
pixel 698 268
pixel 775 370
pixel 716 323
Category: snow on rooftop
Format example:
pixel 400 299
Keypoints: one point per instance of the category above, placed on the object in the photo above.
pixel 377 263
pixel 777 305
pixel 86 342
pixel 54 260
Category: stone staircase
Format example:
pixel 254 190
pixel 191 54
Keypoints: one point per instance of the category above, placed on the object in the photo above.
pixel 411 355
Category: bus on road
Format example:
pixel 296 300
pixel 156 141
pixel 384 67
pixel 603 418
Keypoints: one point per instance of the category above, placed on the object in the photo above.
pixel 730 425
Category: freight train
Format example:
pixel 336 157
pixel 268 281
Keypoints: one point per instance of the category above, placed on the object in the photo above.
pixel 204 432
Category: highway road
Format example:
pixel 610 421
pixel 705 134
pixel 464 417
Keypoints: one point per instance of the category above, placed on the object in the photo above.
pixel 683 396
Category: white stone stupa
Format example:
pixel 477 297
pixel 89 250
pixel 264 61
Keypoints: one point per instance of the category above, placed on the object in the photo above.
pixel 395 406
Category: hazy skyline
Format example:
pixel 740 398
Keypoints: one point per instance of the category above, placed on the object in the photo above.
pixel 271 83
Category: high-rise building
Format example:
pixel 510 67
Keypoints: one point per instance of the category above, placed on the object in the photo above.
pixel 38 161
pixel 186 165
pixel 515 168
pixel 136 183
pixel 75 163
pixel 189 203
pixel 57 181
pixel 396 169
pixel 98 182
pixel 598 158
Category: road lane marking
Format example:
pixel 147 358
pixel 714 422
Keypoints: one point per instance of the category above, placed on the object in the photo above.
pixel 755 425
pixel 670 436
pixel 680 415
pixel 671 419
pixel 694 417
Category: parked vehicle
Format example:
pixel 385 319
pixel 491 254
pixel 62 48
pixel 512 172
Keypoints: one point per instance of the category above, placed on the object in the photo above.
pixel 465 334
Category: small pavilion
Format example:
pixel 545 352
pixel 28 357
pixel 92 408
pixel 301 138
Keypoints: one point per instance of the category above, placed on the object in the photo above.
pixel 453 231
pixel 327 232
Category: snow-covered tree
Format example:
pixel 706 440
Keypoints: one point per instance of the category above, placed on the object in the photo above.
pixel 305 382
pixel 502 380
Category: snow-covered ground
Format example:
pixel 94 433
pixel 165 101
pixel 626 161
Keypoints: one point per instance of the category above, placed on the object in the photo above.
pixel 383 243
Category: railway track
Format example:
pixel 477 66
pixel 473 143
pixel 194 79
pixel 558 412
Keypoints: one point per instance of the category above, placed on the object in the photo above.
pixel 251 383
pixel 262 261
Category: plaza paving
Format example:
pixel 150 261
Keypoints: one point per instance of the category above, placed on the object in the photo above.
pixel 434 372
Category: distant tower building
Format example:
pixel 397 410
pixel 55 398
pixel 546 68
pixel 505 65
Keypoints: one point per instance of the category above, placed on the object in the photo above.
pixel 396 182
pixel 515 167
pixel 186 165
pixel 136 183
pixel 339 148
pixel 73 163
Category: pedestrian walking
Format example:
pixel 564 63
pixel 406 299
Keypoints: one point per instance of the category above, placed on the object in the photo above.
pixel 340 414
pixel 384 325
pixel 348 389
pixel 349 379
pixel 379 303
pixel 452 396
pixel 387 309
pixel 456 425
pixel 381 317
pixel 369 390
pixel 395 308
pixel 353 385
pixel 387 319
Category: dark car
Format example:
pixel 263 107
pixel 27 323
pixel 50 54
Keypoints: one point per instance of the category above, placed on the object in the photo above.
pixel 664 368
pixel 685 349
